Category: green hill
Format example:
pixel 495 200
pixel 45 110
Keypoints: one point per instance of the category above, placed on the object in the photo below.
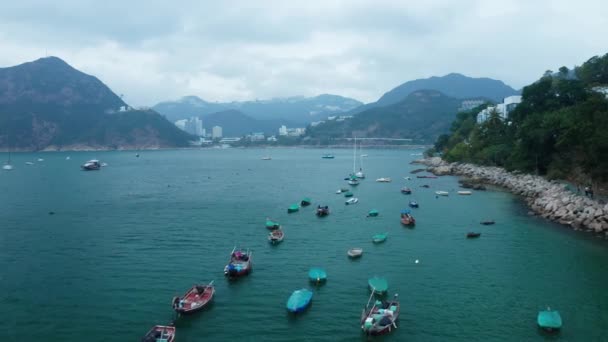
pixel 47 104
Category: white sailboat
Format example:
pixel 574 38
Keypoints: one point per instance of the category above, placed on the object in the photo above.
pixel 360 174
pixel 8 165
pixel 353 177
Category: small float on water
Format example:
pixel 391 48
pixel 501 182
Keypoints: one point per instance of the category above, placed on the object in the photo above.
pixel 472 235
pixel 379 238
pixel 549 320
pixel 276 236
pixel 160 333
pixel 381 317
pixel 195 299
pixel 317 275
pixel 352 200
pixel 322 211
pixel 240 263
pixel 299 300
pixel 305 202
pixel 293 208
pixel 355 252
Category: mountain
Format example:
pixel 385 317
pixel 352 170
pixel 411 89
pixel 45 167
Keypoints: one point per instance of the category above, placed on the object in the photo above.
pixel 47 104
pixel 235 124
pixel 299 110
pixel 453 85
pixel 422 116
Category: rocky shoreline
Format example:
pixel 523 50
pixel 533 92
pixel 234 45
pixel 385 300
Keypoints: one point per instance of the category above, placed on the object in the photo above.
pixel 545 198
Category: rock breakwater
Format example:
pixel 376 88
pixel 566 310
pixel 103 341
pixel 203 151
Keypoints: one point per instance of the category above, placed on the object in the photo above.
pixel 548 199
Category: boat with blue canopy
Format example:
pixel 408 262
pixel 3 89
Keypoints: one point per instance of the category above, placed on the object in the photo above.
pixel 379 238
pixel 373 213
pixel 378 285
pixel 299 300
pixel 270 224
pixel 549 320
pixel 317 275
pixel 293 208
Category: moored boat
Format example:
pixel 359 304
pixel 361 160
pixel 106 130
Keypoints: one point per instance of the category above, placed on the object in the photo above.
pixel 352 200
pixel 160 333
pixel 328 156
pixel 425 186
pixel 299 300
pixel 195 299
pixel 464 192
pixel 413 204
pixel 270 224
pixel 426 176
pixel 406 190
pixel 442 193
pixel 384 180
pixel 487 222
pixel 549 320
pixel 353 182
pixel 267 158
pixel 471 235
pixel 317 275
pixel 276 236
pixel 379 238
pixel 322 211
pixel 293 208
pixel 373 213
pixel 355 252
pixel 91 165
pixel 406 218
pixel 240 263
pixel 348 194
pixel 378 285
pixel 305 202
pixel 380 318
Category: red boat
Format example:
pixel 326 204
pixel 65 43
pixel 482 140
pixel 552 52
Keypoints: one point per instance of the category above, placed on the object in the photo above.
pixel 240 263
pixel 407 219
pixel 195 299
pixel 406 191
pixel 322 211
pixel 160 333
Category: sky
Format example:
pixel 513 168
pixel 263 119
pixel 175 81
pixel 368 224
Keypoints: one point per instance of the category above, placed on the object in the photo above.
pixel 153 51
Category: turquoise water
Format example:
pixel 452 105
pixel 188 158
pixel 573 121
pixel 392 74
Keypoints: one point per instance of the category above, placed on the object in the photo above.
pixel 125 240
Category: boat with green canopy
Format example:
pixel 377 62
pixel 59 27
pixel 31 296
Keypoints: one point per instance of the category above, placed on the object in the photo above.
pixel 270 224
pixel 549 320
pixel 317 275
pixel 293 208
pixel 379 238
pixel 348 194
pixel 378 284
pixel 373 213
pixel 299 300
pixel 305 202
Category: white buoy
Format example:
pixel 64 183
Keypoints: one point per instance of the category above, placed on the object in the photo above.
pixel 416 261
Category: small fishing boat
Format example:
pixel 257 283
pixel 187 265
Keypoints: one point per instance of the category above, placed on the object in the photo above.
pixel 317 275
pixel 195 299
pixel 29 163
pixel 380 318
pixel 322 211
pixel 293 208
pixel 344 189
pixel 240 263
pixel 442 193
pixel 352 200
pixel 270 224
pixel 299 300
pixel 425 186
pixel 91 165
pixel 348 194
pixel 379 238
pixel 426 176
pixel 471 235
pixel 305 202
pixel 355 252
pixel 406 190
pixel 373 213
pixel 276 236
pixel 353 182
pixel 407 219
pixel 160 333
pixel 413 204
pixel 487 222
pixel 378 285
pixel 266 158
pixel 383 180
pixel 549 320
pixel 464 192
pixel 328 156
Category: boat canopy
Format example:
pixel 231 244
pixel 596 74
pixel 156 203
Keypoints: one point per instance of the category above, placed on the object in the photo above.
pixel 406 211
pixel 378 284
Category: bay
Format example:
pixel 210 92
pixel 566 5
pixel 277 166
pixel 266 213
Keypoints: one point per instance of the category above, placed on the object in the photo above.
pixel 123 241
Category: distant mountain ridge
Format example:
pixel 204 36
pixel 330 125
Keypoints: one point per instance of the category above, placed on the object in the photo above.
pixel 299 110
pixel 47 104
pixel 453 85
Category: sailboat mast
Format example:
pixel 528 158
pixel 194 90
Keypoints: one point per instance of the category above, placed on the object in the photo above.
pixel 354 154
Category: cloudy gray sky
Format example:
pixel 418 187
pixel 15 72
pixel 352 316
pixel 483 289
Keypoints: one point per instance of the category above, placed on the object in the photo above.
pixel 238 50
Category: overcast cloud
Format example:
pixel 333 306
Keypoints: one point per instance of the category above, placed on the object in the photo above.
pixel 152 51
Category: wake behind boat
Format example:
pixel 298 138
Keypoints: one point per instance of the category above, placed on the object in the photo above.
pixel 195 299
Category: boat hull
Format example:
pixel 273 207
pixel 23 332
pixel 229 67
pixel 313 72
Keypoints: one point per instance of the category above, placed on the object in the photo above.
pixel 196 300
pixel 299 301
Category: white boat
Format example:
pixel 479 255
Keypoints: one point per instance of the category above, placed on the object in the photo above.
pixel 464 192
pixel 91 165
pixel 384 180
pixel 442 193
pixel 355 252
pixel 266 158
pixel 339 191
pixel 360 174
pixel 40 159
pixel 352 200
pixel 29 163
pixel 7 165
pixel 353 182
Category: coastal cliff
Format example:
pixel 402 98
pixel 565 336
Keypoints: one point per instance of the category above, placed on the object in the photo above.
pixel 548 199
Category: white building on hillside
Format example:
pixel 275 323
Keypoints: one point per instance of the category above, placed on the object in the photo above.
pixel 503 109
pixel 283 130
pixel 216 132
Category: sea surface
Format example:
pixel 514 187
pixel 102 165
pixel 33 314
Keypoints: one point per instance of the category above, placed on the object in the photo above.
pixel 124 240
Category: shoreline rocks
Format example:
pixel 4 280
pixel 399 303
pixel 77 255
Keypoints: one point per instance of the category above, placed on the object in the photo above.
pixel 545 198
